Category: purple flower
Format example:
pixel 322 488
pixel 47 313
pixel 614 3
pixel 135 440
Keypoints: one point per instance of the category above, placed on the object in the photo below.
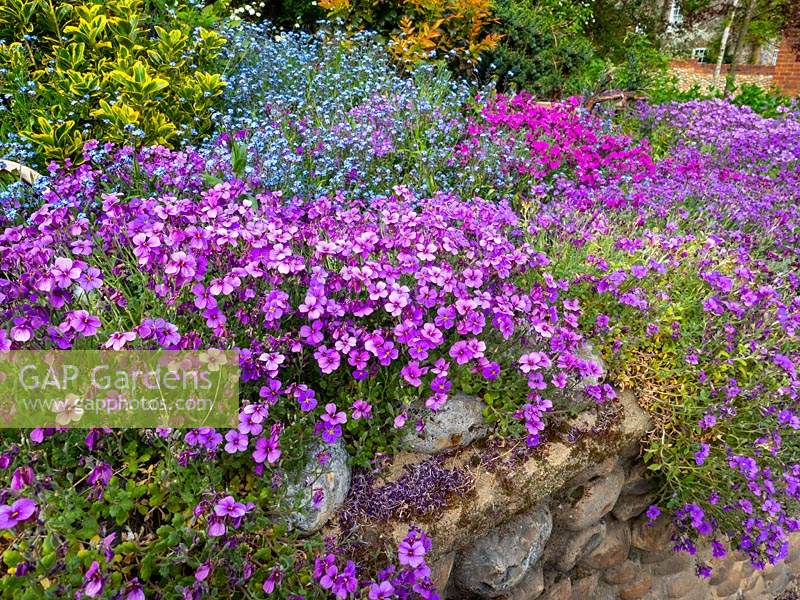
pixel 93 581
pixel 701 455
pixel 236 442
pixel 331 417
pixel 267 449
pixel 228 507
pixel 411 553
pixel 652 512
pixel 203 571
pixel 21 510
pixel 381 591
pixel 361 409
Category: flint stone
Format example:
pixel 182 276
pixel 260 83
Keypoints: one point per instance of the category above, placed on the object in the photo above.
pixel 498 561
pixel 459 423
pixel 531 586
pixel 681 584
pixel 333 478
pixel 652 538
pixel 440 571
pixel 561 590
pixel 614 548
pixel 630 506
pixel 637 588
pixel 590 502
pixel 585 587
pixel 621 573
pixel 566 548
pixel 636 482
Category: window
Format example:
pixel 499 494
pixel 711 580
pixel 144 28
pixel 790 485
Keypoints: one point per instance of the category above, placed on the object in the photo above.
pixel 675 16
pixel 699 54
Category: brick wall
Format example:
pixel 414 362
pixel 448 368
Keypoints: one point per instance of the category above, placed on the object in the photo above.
pixel 787 69
pixel 785 74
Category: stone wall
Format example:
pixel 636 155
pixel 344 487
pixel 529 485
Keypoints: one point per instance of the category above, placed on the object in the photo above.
pixel 690 73
pixel 591 541
pixel 563 523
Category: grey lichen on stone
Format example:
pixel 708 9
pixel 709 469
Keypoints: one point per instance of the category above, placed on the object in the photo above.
pixel 457 424
pixel 331 480
pixel 498 561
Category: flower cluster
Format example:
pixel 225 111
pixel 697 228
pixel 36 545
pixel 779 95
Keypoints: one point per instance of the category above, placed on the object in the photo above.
pixel 410 579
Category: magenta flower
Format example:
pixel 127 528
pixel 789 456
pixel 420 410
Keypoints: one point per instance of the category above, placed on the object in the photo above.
pixel 461 352
pixel 21 478
pixel 272 581
pixel 203 571
pixel 236 442
pixel 328 360
pixel 361 409
pixel 267 449
pixel 332 417
pixel 65 272
pixel 82 322
pixel 411 553
pixel 21 510
pixel 381 591
pixel 228 507
pixel 181 264
pixel 93 581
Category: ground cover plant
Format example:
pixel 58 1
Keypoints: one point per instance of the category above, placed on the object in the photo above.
pixel 374 243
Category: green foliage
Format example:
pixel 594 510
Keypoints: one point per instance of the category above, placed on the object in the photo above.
pixel 555 48
pixel 766 102
pixel 151 493
pixel 544 45
pixel 122 71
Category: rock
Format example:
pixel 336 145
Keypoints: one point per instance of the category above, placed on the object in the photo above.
pixel 630 506
pixel 726 588
pixel 440 571
pixel 757 591
pixel 558 590
pixel 333 479
pixel 658 556
pixel 531 586
pixel 587 503
pixel 652 538
pixel 499 560
pixel 681 584
pixel 459 423
pixel 600 469
pixel 635 481
pixel 673 562
pixel 613 550
pixel 621 573
pixel 636 589
pixel 566 548
pixel 585 587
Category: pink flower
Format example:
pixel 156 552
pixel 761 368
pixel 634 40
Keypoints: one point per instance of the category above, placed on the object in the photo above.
pixel 118 339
